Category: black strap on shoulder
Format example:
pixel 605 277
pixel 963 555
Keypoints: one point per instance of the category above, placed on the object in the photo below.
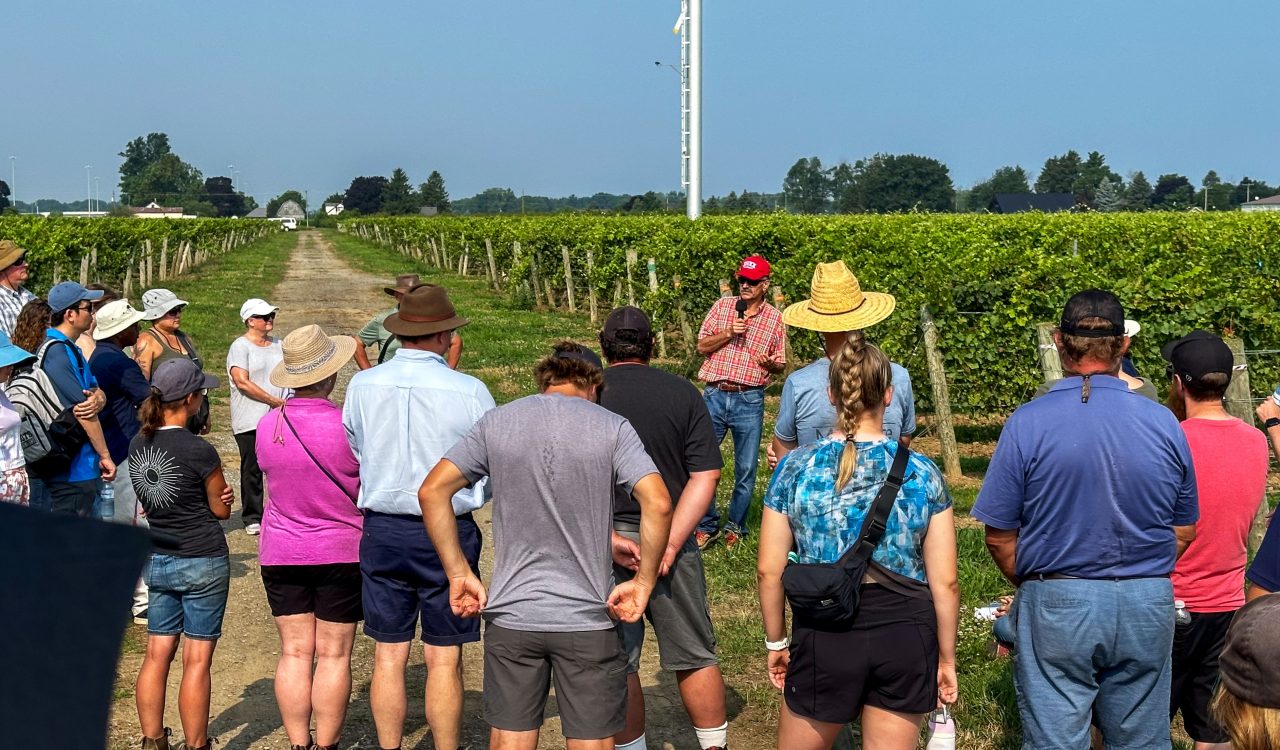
pixel 877 519
pixel 284 415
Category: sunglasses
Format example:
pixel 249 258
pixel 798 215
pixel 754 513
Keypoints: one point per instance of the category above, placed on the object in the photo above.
pixel 21 262
pixel 270 317
pixel 175 312
pixel 744 281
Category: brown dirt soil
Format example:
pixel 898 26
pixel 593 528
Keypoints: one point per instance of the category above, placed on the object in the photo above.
pixel 319 287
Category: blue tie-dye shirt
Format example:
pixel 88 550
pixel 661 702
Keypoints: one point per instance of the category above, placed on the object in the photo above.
pixel 825 524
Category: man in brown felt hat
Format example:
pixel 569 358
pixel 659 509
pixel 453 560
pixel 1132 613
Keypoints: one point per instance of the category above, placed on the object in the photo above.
pixel 401 417
pixel 13 273
pixel 374 332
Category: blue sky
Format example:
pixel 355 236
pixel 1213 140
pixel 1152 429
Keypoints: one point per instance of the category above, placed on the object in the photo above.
pixel 554 97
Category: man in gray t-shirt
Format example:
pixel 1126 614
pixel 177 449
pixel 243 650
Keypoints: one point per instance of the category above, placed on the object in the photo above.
pixel 554 460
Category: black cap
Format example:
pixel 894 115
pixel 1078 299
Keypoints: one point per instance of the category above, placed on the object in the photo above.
pixel 582 354
pixel 627 319
pixel 1197 354
pixel 1092 303
pixel 1249 659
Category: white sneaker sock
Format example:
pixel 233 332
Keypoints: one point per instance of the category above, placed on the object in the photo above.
pixel 713 737
pixel 636 744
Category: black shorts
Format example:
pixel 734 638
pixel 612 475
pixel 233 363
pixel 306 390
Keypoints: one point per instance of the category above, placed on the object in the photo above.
pixel 1196 647
pixel 331 591
pixel 888 659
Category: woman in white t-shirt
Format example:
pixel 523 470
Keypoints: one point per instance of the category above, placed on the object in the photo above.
pixel 14 487
pixel 250 361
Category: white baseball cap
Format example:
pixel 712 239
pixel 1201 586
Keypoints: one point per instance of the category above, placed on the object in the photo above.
pixel 255 306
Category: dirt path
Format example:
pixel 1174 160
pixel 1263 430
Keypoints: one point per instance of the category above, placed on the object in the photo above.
pixel 319 287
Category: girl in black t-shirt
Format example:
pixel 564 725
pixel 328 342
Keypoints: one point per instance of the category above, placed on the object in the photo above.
pixel 179 481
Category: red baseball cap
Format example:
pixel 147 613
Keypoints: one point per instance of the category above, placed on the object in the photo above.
pixel 753 267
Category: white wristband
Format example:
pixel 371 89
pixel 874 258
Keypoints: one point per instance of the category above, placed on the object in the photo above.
pixel 778 645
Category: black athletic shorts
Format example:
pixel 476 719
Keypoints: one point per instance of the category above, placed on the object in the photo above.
pixel 1196 647
pixel 888 659
pixel 332 591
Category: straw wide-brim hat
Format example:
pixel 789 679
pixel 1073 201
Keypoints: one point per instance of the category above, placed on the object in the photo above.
pixel 425 309
pixel 837 303
pixel 310 356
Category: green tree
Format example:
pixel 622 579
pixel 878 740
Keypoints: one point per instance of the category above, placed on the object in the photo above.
pixel 365 195
pixel 1059 174
pixel 1092 174
pixel 398 197
pixel 982 196
pixel 222 195
pixel 807 187
pixel 1173 192
pixel 432 193
pixel 1214 194
pixel 336 198
pixel 889 182
pixel 504 201
pixel 274 204
pixel 842 185
pixel 1109 195
pixel 4 195
pixel 1137 196
pixel 138 155
pixel 168 181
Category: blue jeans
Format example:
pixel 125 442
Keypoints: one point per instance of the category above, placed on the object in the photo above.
pixel 741 414
pixel 1088 646
pixel 40 498
pixel 187 595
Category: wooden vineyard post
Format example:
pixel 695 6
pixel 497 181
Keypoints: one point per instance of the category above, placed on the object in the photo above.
pixel 93 263
pixel 568 278
pixel 84 269
pixel 142 272
pixel 1239 403
pixel 493 266
pixel 150 265
pixel 617 293
pixel 632 258
pixel 164 259
pixel 685 331
pixel 128 280
pixel 653 289
pixel 941 400
pixel 725 289
pixel 780 302
pixel 591 285
pixel 533 275
pixel 444 254
pixel 1050 362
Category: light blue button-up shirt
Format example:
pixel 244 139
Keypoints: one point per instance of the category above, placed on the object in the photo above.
pixel 400 418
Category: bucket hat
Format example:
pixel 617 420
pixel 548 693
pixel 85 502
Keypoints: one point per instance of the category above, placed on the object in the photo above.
pixel 310 356
pixel 157 302
pixel 404 282
pixel 11 353
pixel 114 317
pixel 837 303
pixel 10 252
pixel 425 309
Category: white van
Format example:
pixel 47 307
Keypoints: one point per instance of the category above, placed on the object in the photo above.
pixel 287 223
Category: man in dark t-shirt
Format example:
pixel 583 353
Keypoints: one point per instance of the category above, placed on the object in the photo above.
pixel 673 423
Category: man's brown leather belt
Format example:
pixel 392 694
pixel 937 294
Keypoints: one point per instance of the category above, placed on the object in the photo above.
pixel 725 385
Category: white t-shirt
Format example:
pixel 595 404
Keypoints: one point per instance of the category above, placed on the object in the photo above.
pixel 258 361
pixel 10 436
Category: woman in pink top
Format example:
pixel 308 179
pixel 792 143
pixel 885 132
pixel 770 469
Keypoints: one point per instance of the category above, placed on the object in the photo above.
pixel 310 547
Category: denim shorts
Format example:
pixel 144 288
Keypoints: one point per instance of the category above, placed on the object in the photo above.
pixel 187 595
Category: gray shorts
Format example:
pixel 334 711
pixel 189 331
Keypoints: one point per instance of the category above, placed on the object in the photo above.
pixel 586 667
pixel 678 613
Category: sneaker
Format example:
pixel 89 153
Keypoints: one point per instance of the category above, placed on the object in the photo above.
pixel 140 618
pixel 253 529
pixel 705 539
pixel 731 539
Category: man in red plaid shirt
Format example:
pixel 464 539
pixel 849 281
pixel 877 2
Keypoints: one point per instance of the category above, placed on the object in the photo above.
pixel 745 342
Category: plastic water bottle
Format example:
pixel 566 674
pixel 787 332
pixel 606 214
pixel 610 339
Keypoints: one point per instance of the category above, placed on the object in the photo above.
pixel 106 502
pixel 1275 395
pixel 942 730
pixel 1180 614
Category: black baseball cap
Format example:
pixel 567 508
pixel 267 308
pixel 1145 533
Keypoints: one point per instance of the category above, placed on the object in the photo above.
pixel 582 354
pixel 627 318
pixel 1249 659
pixel 1197 354
pixel 1092 303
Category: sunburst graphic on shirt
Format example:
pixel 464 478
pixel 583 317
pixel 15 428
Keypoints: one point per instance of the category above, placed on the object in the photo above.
pixel 153 474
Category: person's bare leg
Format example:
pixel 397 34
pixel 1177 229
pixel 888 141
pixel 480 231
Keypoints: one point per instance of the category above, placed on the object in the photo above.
pixel 604 744
pixel 702 691
pixel 635 711
pixel 800 733
pixel 293 675
pixel 193 693
pixel 153 677
pixel 890 730
pixel 386 692
pixel 1213 746
pixel 502 739
pixel 444 694
pixel 331 688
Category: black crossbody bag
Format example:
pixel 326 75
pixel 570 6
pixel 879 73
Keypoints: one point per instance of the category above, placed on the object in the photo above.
pixel 316 461
pixel 826 595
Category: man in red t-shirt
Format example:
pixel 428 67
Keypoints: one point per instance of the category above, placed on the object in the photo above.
pixel 1230 459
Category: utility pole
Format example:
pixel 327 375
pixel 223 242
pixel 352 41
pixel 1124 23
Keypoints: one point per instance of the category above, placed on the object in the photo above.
pixel 88 185
pixel 13 182
pixel 691 57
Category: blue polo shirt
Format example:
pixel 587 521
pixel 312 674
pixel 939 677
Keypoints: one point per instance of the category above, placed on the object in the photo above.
pixel 1094 488
pixel 70 375
pixel 1265 570
pixel 122 381
pixel 806 415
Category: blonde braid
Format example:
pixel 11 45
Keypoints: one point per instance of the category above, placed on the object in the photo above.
pixel 860 376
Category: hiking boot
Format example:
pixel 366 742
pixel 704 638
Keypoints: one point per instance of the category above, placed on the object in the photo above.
pixel 731 539
pixel 706 539
pixel 208 745
pixel 157 743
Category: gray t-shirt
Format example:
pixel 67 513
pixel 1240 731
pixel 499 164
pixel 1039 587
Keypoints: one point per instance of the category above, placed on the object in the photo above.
pixel 553 463
pixel 258 361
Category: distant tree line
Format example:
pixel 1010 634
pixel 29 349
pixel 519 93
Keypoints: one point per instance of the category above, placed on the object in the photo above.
pixel 153 172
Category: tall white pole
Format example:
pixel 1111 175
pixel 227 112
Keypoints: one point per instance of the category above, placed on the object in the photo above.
pixel 97 192
pixel 88 185
pixel 693 30
pixel 13 182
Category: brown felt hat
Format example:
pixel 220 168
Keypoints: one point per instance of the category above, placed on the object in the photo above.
pixel 425 309
pixel 404 282
pixel 9 253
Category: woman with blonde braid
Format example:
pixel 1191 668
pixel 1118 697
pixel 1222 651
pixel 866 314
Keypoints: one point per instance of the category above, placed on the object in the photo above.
pixel 896 662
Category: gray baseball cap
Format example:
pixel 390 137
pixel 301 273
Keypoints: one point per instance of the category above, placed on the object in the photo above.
pixel 178 378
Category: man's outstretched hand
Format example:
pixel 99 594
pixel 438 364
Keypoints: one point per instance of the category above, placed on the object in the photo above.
pixel 467 596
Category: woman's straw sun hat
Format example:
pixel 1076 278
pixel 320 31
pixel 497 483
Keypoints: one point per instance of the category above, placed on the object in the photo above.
pixel 837 303
pixel 310 356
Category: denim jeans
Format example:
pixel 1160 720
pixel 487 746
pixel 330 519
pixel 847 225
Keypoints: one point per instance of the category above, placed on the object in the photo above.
pixel 187 595
pixel 742 415
pixel 1088 646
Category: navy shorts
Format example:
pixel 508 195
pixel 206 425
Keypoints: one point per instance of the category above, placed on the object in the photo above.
pixel 403 579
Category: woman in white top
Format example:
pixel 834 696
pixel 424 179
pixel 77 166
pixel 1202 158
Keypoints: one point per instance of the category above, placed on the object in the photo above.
pixel 250 361
pixel 14 487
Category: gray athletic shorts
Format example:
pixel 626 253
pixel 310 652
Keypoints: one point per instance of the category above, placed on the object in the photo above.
pixel 586 667
pixel 678 613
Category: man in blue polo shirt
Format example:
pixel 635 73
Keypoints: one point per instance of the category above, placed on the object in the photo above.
pixel 75 490
pixel 1089 500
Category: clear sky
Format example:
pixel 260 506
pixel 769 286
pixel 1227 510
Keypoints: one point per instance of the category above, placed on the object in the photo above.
pixel 554 97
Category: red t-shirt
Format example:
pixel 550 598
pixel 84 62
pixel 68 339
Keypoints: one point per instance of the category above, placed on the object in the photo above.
pixel 1231 459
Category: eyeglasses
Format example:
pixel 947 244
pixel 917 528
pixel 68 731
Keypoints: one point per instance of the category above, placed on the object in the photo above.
pixel 744 281
pixel 269 317
pixel 21 262
pixel 175 312
pixel 84 308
